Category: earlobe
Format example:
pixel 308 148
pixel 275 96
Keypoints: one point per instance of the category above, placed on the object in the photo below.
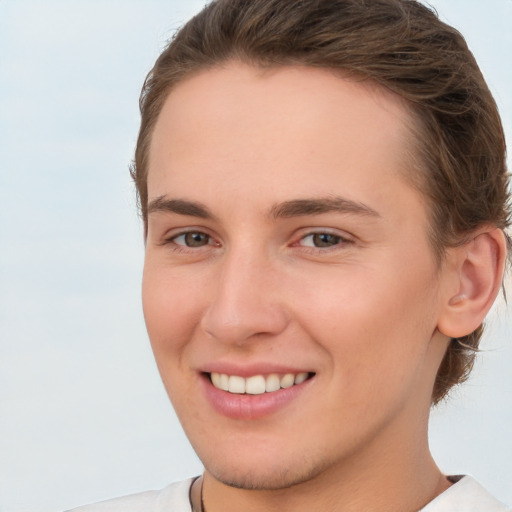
pixel 479 266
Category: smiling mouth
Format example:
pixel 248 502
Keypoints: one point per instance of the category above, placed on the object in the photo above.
pixel 257 384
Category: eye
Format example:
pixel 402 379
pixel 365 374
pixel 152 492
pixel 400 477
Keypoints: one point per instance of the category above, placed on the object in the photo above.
pixel 192 239
pixel 321 240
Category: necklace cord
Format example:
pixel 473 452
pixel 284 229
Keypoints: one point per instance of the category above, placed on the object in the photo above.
pixel 203 508
pixel 190 493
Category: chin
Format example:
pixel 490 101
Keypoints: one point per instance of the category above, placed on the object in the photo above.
pixel 268 477
pixel 255 481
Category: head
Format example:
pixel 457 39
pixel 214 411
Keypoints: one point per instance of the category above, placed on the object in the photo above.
pixel 457 144
pixel 323 201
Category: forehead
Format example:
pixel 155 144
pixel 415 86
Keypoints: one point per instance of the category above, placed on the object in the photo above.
pixel 285 130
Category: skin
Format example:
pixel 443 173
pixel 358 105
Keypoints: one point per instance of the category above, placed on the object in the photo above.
pixel 361 311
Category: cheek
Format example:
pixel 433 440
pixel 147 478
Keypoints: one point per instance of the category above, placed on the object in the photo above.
pixel 372 321
pixel 170 310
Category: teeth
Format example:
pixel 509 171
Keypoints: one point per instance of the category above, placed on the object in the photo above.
pixel 236 384
pixel 257 384
pixel 216 380
pixel 288 380
pixel 300 377
pixel 224 382
pixel 273 383
pixel 220 381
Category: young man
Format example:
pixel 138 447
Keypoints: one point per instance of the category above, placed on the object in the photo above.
pixel 324 191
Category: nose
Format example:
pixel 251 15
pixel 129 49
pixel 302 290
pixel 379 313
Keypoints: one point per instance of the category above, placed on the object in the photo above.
pixel 246 301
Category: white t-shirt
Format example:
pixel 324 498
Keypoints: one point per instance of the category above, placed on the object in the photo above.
pixel 466 495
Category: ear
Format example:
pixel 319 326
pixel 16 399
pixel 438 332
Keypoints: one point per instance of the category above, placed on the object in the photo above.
pixel 477 270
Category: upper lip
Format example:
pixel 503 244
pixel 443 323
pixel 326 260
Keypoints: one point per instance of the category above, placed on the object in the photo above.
pixel 248 370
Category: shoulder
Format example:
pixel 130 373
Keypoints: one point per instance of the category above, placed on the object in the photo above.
pixel 465 495
pixel 173 498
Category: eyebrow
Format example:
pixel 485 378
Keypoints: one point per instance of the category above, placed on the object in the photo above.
pixel 317 206
pixel 286 209
pixel 179 206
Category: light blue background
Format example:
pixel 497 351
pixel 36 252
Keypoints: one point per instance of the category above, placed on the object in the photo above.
pixel 83 415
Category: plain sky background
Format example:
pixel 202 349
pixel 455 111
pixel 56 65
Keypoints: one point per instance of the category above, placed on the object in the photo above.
pixel 83 415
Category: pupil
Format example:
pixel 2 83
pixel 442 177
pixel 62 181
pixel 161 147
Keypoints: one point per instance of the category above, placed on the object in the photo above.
pixel 196 239
pixel 325 240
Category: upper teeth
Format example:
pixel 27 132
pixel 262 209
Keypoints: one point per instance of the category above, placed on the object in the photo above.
pixel 257 384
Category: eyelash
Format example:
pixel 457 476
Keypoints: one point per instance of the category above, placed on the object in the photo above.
pixel 337 239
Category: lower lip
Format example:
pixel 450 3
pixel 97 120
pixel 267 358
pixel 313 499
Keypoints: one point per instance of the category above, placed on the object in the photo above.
pixel 250 407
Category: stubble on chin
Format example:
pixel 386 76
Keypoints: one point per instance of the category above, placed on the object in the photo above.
pixel 273 479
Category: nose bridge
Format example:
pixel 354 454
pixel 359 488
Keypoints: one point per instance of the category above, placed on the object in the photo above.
pixel 245 302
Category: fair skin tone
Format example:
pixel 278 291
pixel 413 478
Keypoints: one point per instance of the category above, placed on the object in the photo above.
pixel 284 240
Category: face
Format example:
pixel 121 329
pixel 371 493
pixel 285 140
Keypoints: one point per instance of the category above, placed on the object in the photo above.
pixel 290 292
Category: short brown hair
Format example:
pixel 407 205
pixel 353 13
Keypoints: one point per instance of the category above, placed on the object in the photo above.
pixel 403 46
